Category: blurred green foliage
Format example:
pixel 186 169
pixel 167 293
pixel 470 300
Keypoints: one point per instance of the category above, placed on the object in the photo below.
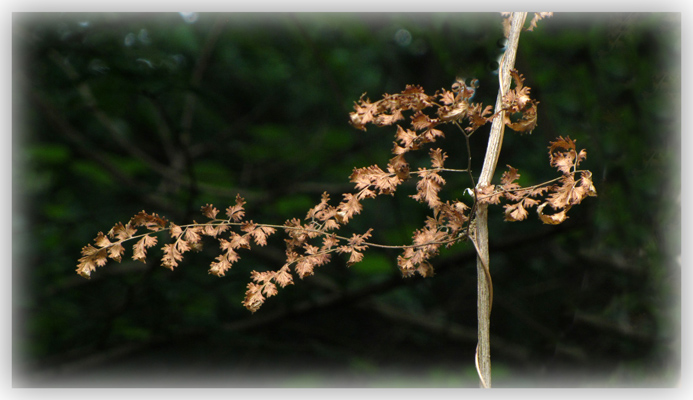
pixel 115 113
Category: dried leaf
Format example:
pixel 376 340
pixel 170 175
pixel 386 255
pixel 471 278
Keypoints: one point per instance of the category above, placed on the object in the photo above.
pixel 91 258
pixel 152 222
pixel 175 230
pixel 171 256
pixel 321 211
pixel 349 207
pixel 331 224
pixel 552 219
pixel 453 112
pixel 139 249
pixel 182 245
pixel 488 194
pixel 389 119
pixel 447 97
pixel 560 198
pixel 304 267
pixel 421 121
pixel 239 241
pixel 116 251
pixel 400 167
pixel 297 233
pixel 425 269
pixel 437 158
pixel 528 202
pixel 564 162
pixel 581 157
pixel 210 211
pixel 407 138
pixel 253 297
pixel 269 289
pixel 515 212
pixel 258 232
pixel 538 17
pixel 428 187
pixel 192 234
pixel 329 242
pixel 454 215
pixel 527 121
pixel 509 176
pixel 283 277
pixel 220 266
pixel 478 117
pixel 101 240
pixel 214 230
pixel 586 182
pixel 431 134
pixel 121 232
pixel 357 241
pixel 384 182
pixel 236 212
pixel 562 154
pixel 354 258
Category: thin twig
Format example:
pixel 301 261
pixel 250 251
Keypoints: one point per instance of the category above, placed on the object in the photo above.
pixel 220 222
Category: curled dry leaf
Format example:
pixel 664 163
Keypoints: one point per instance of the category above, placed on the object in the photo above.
pixel 552 219
pixel 518 102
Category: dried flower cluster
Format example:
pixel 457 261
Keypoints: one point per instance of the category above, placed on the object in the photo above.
pixel 311 241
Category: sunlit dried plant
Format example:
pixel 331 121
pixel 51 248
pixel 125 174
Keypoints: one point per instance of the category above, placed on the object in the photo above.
pixel 312 241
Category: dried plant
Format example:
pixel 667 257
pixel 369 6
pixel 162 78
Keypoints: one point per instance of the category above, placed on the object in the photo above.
pixel 310 242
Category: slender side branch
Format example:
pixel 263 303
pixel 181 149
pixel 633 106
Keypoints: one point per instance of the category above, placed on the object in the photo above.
pixel 481 237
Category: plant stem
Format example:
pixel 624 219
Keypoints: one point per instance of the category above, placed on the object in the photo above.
pixel 492 153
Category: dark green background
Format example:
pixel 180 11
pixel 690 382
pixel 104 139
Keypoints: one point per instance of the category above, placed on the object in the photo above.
pixel 187 112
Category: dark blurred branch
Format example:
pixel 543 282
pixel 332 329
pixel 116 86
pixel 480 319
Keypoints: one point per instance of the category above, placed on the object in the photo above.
pixel 203 61
pixel 521 315
pixel 608 325
pixel 447 329
pixel 235 125
pixel 89 150
pixel 171 173
pixel 90 101
pixel 324 67
pixel 311 306
pixel 164 126
pixel 80 360
pixel 201 66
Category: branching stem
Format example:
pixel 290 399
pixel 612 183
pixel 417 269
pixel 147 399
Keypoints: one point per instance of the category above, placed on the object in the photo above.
pixel 218 222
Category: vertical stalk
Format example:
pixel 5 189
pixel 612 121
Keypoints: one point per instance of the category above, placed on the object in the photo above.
pixel 495 142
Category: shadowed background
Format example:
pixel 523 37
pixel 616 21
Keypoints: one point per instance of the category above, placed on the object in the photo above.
pixel 116 113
